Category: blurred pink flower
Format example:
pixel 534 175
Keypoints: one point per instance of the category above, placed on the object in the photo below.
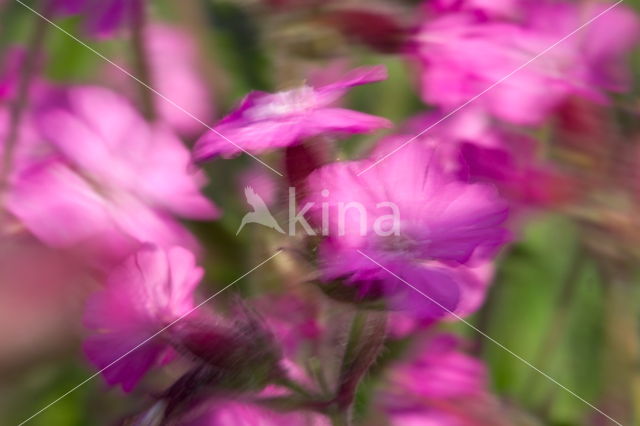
pixel 103 17
pixel 463 55
pixel 438 386
pixel 438 224
pixel 173 62
pixel 239 413
pixel 151 289
pixel 486 7
pixel 114 173
pixel 475 280
pixel 292 320
pixel 266 121
pixel 29 147
pixel 604 45
pixel 519 175
pixel 480 150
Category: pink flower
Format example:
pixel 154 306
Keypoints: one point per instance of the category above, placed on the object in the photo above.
pixel 604 45
pixel 174 63
pixel 115 174
pixel 239 413
pixel 521 178
pixel 408 221
pixel 438 386
pixel 293 320
pixel 480 150
pixel 151 289
pixel 463 55
pixel 29 148
pixel 265 121
pixel 174 73
pixel 476 279
pixel 485 7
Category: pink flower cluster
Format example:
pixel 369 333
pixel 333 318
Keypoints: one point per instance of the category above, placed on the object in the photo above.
pixel 105 179
pixel 529 48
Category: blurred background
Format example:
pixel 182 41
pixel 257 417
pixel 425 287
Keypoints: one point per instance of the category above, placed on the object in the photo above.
pixel 559 299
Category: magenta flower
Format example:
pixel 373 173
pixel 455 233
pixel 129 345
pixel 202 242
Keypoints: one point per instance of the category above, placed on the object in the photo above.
pixel 475 281
pixel 604 45
pixel 241 413
pixel 463 55
pixel 292 319
pixel 438 385
pixel 29 148
pixel 174 73
pixel 490 8
pixel 480 150
pixel 103 17
pixel 174 62
pixel 115 173
pixel 265 121
pixel 408 221
pixel 518 174
pixel 151 289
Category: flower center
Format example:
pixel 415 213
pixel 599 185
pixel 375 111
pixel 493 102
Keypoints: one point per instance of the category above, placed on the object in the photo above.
pixel 284 103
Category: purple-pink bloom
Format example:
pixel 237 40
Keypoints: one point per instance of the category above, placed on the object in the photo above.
pixel 483 7
pixel 292 319
pixel 245 410
pixel 604 45
pixel 463 55
pixel 404 222
pixel 480 150
pixel 437 385
pixel 150 290
pixel 113 173
pixel 174 73
pixel 29 147
pixel 266 121
pixel 174 66
pixel 476 280
pixel 230 412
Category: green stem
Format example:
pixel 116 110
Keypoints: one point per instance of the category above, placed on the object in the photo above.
pixel 141 59
pixel 621 397
pixel 559 322
pixel 366 341
pixel 295 387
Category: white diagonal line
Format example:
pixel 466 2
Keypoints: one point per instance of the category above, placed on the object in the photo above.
pixel 500 345
pixel 589 22
pixel 147 86
pixel 88 379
